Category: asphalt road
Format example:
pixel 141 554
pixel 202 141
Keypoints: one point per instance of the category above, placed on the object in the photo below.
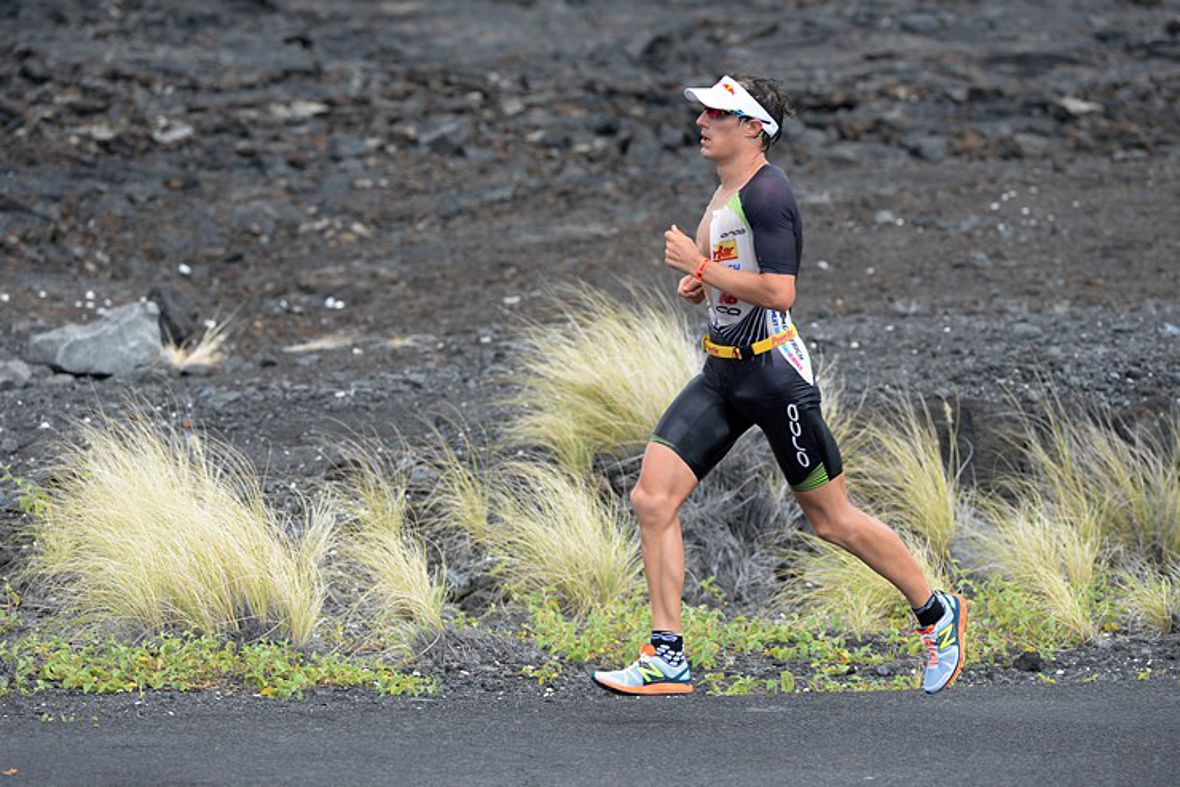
pixel 1114 733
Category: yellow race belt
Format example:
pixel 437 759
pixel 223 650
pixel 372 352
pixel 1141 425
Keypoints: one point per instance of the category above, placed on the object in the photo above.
pixel 749 350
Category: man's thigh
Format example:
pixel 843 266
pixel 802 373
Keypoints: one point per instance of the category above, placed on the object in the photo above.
pixel 802 443
pixel 700 426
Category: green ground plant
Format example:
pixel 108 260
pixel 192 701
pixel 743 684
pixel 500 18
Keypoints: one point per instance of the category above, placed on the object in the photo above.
pixel 1006 618
pixel 31 499
pixel 10 600
pixel 189 662
pixel 613 634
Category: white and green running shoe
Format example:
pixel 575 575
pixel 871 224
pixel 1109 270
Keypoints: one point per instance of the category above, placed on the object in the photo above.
pixel 944 643
pixel 650 674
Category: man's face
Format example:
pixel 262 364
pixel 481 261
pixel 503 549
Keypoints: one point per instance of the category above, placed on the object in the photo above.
pixel 724 134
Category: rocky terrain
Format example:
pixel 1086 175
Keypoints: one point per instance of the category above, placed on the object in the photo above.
pixel 375 197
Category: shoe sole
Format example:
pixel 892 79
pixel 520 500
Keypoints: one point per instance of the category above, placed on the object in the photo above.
pixel 647 690
pixel 961 630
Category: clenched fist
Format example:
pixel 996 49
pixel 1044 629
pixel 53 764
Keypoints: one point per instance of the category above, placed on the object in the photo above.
pixel 680 251
pixel 690 289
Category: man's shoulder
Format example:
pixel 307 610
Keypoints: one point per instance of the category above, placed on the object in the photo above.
pixel 769 189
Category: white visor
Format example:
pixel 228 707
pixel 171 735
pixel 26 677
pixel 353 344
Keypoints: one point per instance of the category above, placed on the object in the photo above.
pixel 728 94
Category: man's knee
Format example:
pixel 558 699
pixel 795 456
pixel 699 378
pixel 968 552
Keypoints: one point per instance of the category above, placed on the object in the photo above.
pixel 655 508
pixel 831 522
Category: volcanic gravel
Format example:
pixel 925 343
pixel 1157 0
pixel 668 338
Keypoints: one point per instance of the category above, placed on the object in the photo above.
pixel 378 196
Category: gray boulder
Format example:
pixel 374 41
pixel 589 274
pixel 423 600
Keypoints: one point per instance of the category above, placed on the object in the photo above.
pixel 14 374
pixel 118 342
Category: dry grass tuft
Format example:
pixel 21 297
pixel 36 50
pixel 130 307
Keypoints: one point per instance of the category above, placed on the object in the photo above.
pixel 1152 597
pixel 599 380
pixel 553 531
pixel 902 477
pixel 381 553
pixel 832 582
pixel 154 527
pixel 1125 490
pixel 1056 560
pixel 209 350
pixel 461 500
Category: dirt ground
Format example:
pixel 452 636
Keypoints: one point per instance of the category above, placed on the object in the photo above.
pixel 379 194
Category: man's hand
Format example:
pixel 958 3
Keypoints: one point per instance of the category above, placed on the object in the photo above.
pixel 690 289
pixel 680 251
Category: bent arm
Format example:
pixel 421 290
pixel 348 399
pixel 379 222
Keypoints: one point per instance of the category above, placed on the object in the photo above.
pixel 768 290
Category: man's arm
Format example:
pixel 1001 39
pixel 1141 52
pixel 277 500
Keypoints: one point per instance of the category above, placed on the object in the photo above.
pixel 768 290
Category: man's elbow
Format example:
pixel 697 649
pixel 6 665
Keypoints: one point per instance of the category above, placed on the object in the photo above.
pixel 783 299
pixel 780 292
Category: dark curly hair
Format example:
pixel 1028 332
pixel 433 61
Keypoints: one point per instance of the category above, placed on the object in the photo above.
pixel 773 97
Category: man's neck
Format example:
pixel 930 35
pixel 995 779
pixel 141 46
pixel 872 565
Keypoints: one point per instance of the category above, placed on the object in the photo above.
pixel 735 172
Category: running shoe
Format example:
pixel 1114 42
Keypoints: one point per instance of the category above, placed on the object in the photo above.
pixel 944 643
pixel 650 674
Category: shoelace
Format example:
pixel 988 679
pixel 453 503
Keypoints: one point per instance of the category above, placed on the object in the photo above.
pixel 928 638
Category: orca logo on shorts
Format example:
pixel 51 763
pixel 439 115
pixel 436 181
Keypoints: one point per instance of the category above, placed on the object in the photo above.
pixel 796 433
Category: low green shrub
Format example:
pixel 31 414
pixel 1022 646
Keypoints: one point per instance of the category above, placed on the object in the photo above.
pixel 188 663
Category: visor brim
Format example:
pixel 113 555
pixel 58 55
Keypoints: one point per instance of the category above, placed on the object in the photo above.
pixel 712 97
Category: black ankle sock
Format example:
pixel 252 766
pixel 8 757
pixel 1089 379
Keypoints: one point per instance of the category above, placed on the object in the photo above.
pixel 930 612
pixel 669 646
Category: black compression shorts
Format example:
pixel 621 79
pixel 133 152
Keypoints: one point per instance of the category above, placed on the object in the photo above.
pixel 729 396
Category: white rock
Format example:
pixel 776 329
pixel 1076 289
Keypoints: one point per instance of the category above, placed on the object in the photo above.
pixel 169 132
pixel 1077 106
pixel 298 110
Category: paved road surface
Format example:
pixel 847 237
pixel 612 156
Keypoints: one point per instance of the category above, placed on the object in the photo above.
pixel 1116 733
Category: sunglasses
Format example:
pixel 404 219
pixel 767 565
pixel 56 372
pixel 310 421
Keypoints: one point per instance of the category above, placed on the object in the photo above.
pixel 718 114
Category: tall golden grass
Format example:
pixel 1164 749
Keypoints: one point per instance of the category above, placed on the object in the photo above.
pixel 900 475
pixel 1151 596
pixel 155 527
pixel 553 531
pixel 461 499
pixel 380 551
pixel 1057 561
pixel 833 582
pixel 598 380
pixel 1124 489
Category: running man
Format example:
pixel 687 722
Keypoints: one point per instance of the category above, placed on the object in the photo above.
pixel 744 261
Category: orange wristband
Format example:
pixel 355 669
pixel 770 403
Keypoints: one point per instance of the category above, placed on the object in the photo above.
pixel 700 272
